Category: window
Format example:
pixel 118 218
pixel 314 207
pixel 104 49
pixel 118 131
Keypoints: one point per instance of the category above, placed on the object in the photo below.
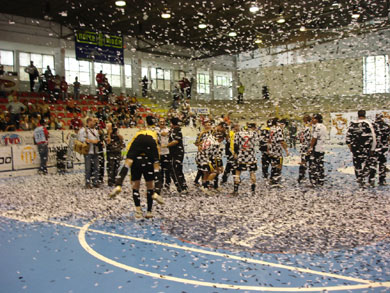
pixel 74 68
pixel 223 84
pixel 40 61
pixel 203 82
pixel 128 79
pixel 376 74
pixel 161 79
pixel 7 60
pixel 112 72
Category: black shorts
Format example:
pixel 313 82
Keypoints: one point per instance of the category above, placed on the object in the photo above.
pixel 218 163
pixel 276 161
pixel 247 167
pixel 142 165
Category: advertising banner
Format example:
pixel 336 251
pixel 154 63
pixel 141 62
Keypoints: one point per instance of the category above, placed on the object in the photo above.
pixel 5 159
pixel 340 123
pixel 99 47
pixel 200 110
pixel 25 157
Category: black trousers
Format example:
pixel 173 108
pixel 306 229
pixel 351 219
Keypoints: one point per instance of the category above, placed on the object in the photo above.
pixel 101 167
pixel 276 169
pixel 378 160
pixel 32 82
pixel 177 172
pixel 316 168
pixel 361 161
pixel 305 159
pixel 265 163
pixel 230 168
pixel 165 173
pixel 113 160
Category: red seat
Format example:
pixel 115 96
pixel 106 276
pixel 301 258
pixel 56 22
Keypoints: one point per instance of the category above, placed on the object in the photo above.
pixel 85 109
pixel 69 122
pixel 141 109
pixel 69 115
pixel 52 108
pixel 83 102
pixel 60 108
pixel 144 115
pixel 61 115
pixel 53 115
pixel 3 107
pixel 4 100
pixel 94 109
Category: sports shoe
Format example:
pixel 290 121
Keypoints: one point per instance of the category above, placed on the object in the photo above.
pixel 206 191
pixel 149 215
pixel 158 198
pixel 115 191
pixel 138 213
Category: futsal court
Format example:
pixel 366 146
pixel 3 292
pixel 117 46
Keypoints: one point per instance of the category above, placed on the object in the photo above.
pixel 58 237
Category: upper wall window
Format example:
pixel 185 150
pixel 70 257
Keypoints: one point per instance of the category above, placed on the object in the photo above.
pixel 203 82
pixel 74 68
pixel 160 78
pixel 376 77
pixel 41 62
pixel 7 60
pixel 128 79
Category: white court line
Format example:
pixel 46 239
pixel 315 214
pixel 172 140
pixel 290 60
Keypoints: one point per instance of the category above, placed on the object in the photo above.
pixel 81 236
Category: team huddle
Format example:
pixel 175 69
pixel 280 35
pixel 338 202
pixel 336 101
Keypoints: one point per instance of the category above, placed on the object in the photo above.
pixel 157 153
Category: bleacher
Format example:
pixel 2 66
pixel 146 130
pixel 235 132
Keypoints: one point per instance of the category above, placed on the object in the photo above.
pixel 86 103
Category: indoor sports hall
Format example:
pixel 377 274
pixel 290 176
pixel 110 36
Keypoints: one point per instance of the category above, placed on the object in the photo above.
pixel 232 62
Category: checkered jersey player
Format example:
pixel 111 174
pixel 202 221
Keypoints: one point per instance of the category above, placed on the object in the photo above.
pixel 276 144
pixel 305 139
pixel 245 145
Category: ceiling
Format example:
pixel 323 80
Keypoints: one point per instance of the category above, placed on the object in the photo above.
pixel 141 20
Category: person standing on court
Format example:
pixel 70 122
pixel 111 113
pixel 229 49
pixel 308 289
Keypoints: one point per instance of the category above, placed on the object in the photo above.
pixel 317 151
pixel 361 141
pixel 241 90
pixel 176 151
pixel 41 139
pixel 143 161
pixel 305 139
pixel 32 74
pixel 90 135
pixel 382 133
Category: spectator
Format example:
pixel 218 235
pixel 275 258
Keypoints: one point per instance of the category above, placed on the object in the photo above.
pixel 2 120
pixel 2 72
pixel 9 124
pixel 48 74
pixel 25 123
pixel 32 73
pixel 76 89
pixel 57 86
pixel 64 89
pixel 76 122
pixel 145 83
pixel 71 106
pixel 15 108
pixel 100 78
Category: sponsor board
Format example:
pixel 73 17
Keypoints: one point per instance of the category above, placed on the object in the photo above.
pixel 5 159
pixel 27 138
pixel 340 123
pixel 10 138
pixel 200 110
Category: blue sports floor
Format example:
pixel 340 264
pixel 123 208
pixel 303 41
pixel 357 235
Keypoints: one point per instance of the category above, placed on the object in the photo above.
pixel 57 237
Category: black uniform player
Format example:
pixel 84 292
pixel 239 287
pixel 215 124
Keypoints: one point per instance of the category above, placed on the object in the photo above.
pixel 382 132
pixel 305 139
pixel 361 141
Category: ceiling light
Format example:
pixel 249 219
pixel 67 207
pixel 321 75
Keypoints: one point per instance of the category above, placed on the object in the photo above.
pixel 302 28
pixel 202 25
pixel 232 34
pixel 281 19
pixel 355 14
pixel 120 3
pixel 254 8
pixel 166 14
pixel 258 41
pixel 336 4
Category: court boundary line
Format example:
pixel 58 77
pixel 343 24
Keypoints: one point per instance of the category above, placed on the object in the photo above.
pixel 362 284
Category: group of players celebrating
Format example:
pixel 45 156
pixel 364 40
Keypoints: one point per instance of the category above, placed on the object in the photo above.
pixel 157 153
